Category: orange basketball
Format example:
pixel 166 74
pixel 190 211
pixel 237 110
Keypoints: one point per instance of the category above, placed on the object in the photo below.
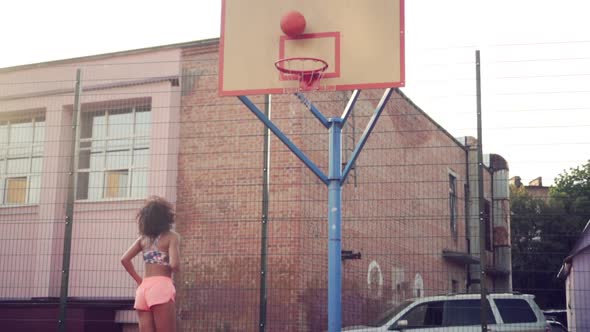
pixel 293 23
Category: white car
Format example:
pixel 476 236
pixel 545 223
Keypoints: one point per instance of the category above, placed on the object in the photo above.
pixel 556 326
pixel 461 312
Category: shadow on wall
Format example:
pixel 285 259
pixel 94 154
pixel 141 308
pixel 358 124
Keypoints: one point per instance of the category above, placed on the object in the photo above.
pixel 358 305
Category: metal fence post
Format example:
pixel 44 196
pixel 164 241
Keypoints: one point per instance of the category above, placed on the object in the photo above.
pixel 482 223
pixel 69 218
pixel 264 226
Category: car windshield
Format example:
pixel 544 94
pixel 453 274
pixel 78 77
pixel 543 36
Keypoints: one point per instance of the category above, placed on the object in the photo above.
pixel 388 314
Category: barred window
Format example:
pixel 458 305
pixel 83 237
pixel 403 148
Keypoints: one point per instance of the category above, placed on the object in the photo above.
pixel 114 153
pixel 453 203
pixel 21 158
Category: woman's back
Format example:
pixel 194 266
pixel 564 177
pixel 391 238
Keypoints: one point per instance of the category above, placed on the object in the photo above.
pixel 159 245
pixel 158 258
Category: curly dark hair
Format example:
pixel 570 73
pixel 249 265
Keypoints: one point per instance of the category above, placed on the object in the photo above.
pixel 155 217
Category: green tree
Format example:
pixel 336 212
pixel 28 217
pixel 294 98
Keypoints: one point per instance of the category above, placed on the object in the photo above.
pixel 572 191
pixel 544 232
pixel 535 256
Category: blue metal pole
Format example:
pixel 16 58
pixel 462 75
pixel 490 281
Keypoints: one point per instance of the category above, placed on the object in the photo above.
pixel 275 130
pixel 334 180
pixel 313 109
pixel 367 133
pixel 334 227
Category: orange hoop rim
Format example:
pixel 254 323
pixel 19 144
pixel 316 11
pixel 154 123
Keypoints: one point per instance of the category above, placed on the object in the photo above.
pixel 302 73
pixel 309 79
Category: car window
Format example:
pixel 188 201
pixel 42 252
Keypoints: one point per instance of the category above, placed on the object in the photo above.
pixel 515 311
pixel 389 314
pixel 428 314
pixel 465 312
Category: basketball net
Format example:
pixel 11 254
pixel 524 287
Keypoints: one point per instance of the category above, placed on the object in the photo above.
pixel 308 71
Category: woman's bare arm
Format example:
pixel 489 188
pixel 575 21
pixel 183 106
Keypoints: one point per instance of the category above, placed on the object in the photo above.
pixel 128 256
pixel 174 251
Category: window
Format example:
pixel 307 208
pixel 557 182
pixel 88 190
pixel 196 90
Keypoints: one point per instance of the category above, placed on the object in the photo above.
pixel 16 190
pixel 114 153
pixel 389 314
pixel 425 315
pixel 21 157
pixel 453 203
pixel 466 312
pixel 515 311
pixel 116 183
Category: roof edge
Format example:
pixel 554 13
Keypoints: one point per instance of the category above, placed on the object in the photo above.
pixel 202 42
pixel 431 119
pixel 577 248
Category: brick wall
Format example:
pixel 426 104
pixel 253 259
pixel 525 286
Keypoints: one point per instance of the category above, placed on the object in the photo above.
pixel 395 208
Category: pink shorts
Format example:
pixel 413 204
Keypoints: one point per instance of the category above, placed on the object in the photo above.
pixel 153 291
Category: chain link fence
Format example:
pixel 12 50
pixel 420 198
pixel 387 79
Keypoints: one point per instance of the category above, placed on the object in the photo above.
pixel 84 141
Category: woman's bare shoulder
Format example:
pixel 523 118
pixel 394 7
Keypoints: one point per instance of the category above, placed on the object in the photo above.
pixel 172 234
pixel 142 241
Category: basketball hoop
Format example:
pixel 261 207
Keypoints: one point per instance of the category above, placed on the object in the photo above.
pixel 309 78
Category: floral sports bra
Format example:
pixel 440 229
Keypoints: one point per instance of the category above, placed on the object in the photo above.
pixel 151 254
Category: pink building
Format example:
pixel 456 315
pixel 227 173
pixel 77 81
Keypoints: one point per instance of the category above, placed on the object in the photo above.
pixel 127 149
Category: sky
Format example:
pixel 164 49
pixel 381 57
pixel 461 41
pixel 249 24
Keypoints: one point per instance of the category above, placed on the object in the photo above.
pixel 535 62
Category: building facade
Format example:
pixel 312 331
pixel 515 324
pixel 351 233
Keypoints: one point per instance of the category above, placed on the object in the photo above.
pixel 150 122
pixel 535 188
pixel 128 113
pixel 410 209
pixel 574 272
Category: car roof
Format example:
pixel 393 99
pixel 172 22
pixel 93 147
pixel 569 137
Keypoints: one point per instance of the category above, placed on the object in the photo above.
pixel 469 296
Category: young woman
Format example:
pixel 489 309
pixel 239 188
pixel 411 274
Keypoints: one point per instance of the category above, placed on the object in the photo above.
pixel 155 295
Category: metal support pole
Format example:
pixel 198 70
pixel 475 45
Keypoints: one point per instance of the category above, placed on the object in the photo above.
pixel 368 130
pixel 264 226
pixel 481 202
pixel 65 275
pixel 283 138
pixel 334 181
pixel 334 227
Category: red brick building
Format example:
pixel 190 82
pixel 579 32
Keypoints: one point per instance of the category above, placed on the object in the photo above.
pixel 535 188
pixel 397 210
